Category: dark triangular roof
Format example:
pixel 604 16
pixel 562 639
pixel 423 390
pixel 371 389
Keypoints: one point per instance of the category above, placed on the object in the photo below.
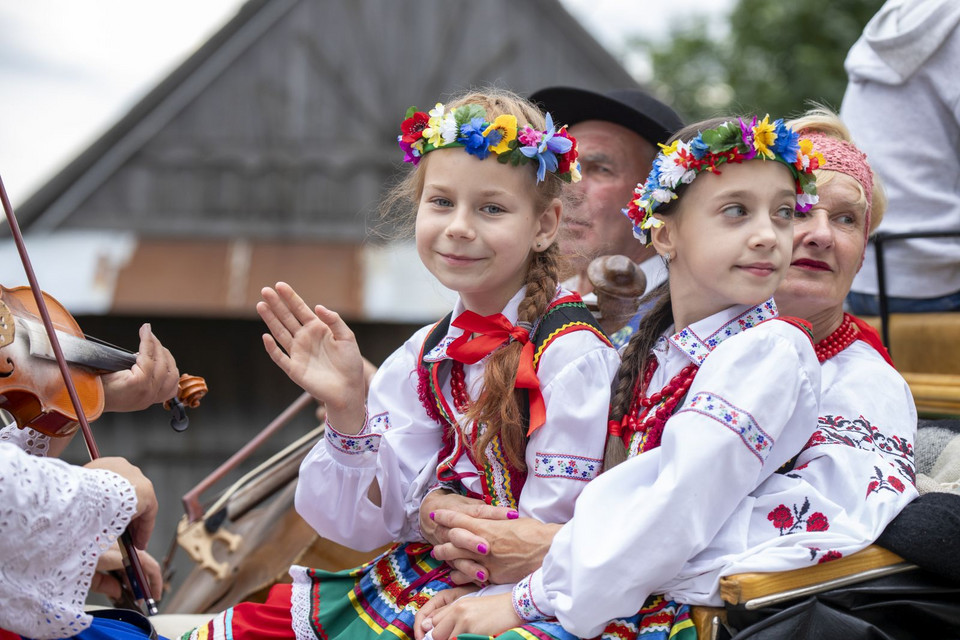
pixel 282 125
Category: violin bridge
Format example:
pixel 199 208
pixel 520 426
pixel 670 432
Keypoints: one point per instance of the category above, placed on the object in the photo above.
pixel 198 543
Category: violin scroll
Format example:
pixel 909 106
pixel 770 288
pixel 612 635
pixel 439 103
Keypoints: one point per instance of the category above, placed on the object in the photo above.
pixel 190 391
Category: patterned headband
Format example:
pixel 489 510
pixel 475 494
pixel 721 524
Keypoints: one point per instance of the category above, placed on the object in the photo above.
pixel 844 157
pixel 467 127
pixel 734 141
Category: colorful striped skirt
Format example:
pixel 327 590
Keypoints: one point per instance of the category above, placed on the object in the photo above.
pixel 379 601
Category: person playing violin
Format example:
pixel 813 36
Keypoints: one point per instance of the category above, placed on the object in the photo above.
pixel 59 522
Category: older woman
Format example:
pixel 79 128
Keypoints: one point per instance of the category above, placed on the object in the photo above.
pixel 855 474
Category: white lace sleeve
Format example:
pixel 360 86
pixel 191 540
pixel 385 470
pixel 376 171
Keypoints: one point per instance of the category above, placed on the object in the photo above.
pixel 55 521
pixel 33 442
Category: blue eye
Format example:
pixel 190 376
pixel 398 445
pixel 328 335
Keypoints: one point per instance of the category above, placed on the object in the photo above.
pixel 492 209
pixel 734 211
pixel 441 202
pixel 785 213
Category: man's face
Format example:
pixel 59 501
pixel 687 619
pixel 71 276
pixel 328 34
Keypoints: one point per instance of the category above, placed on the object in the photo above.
pixel 613 159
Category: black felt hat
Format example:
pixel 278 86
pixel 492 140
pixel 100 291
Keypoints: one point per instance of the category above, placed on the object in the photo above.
pixel 631 108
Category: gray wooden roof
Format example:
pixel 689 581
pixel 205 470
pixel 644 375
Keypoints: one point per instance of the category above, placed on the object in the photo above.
pixel 283 125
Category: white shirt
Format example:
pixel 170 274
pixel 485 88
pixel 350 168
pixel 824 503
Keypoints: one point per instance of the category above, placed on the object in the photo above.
pixel 399 444
pixel 638 527
pixel 55 521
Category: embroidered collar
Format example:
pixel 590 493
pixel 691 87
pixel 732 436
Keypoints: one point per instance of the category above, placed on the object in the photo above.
pixel 700 338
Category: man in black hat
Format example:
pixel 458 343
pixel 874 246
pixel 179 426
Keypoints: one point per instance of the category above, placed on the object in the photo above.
pixel 617 134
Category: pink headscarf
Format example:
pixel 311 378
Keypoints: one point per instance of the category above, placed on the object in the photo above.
pixel 844 157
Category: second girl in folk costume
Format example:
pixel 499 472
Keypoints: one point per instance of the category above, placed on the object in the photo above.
pixel 715 394
pixel 505 399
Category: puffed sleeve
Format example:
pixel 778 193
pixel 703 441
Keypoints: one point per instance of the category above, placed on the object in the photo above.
pixel 567 451
pixel 396 448
pixel 55 521
pixel 752 405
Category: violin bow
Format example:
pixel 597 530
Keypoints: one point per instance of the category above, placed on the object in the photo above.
pixel 131 561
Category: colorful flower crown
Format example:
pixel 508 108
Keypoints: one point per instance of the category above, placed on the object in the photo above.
pixel 467 127
pixel 680 162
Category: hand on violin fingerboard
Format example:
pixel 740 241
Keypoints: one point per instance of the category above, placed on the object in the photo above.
pixel 317 350
pixel 151 380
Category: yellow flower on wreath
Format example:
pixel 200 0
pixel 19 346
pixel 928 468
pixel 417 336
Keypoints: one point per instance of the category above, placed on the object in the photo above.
pixel 506 125
pixel 764 136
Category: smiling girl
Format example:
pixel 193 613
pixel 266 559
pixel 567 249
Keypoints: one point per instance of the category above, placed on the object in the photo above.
pixel 715 394
pixel 505 399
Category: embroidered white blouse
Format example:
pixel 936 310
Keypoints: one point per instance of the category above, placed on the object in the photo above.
pixel 399 445
pixel 638 527
pixel 55 521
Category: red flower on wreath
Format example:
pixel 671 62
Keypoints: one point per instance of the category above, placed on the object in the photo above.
pixel 413 127
pixel 781 517
pixel 817 522
pixel 568 159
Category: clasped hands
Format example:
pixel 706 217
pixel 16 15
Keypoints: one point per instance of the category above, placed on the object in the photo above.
pixel 483 544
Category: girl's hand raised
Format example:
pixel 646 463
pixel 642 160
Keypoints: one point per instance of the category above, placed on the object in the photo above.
pixel 317 350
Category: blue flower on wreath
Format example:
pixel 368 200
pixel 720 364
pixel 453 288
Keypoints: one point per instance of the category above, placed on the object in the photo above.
pixel 546 152
pixel 698 147
pixel 787 144
pixel 471 135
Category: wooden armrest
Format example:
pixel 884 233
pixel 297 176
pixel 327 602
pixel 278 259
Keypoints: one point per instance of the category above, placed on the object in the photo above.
pixel 755 590
pixel 935 392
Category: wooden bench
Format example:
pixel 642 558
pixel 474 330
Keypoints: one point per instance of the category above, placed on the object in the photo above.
pixel 926 350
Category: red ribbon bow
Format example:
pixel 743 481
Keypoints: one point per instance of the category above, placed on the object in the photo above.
pixel 493 331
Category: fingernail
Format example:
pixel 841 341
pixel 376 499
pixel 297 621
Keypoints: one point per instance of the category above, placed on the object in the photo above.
pixel 481 576
pixel 433 554
pixel 512 515
pixel 432 515
pixel 482 548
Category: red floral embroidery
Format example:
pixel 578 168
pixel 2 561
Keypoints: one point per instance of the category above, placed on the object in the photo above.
pixel 817 522
pixel 781 517
pixel 830 555
pixel 790 520
pixel 879 483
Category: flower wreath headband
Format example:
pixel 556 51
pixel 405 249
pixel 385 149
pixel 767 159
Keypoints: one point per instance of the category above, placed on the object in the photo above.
pixel 467 127
pixel 681 162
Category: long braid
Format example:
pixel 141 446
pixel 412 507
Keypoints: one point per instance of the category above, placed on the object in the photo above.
pixel 499 405
pixel 632 365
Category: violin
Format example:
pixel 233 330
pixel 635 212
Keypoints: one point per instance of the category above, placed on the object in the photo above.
pixel 31 385
pixel 134 571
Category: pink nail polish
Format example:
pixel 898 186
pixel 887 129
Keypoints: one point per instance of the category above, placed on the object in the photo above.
pixel 511 515
pixel 482 548
pixel 481 576
pixel 432 514
pixel 433 553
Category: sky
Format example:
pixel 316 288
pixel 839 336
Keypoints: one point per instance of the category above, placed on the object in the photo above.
pixel 69 69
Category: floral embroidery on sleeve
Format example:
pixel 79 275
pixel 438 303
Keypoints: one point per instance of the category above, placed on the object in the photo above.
pixel 556 465
pixel 789 520
pixel 832 554
pixel 878 483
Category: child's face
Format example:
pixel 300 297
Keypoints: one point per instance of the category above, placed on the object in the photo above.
pixel 731 238
pixel 478 224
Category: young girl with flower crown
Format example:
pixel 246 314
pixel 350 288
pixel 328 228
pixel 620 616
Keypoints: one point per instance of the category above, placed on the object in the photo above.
pixel 505 399
pixel 715 394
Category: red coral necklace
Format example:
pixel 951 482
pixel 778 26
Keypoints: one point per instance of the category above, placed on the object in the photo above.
pixel 840 339
pixel 642 417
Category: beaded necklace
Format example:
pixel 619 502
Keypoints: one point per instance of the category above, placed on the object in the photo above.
pixel 458 387
pixel 843 337
pixel 648 414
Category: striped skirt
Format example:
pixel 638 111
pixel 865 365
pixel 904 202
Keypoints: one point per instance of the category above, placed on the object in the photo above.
pixel 379 601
